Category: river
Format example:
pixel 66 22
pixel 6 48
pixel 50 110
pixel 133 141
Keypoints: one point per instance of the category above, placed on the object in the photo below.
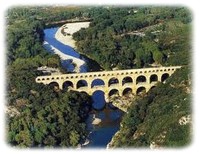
pixel 100 134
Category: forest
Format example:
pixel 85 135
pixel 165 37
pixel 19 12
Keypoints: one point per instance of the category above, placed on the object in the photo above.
pixel 38 116
pixel 118 38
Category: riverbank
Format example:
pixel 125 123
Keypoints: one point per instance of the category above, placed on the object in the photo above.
pixel 65 32
pixel 67 58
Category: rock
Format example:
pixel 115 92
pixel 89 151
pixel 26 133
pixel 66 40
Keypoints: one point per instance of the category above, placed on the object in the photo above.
pixel 184 120
pixel 96 121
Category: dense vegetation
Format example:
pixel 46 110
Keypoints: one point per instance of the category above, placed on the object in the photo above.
pixel 38 115
pixel 135 37
pixel 154 119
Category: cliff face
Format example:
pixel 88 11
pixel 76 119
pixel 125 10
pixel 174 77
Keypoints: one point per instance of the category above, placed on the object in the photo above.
pixel 160 119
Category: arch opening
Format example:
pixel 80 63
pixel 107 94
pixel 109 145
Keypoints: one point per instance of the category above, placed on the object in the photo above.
pixel 67 85
pixel 164 77
pixel 153 78
pixel 141 79
pixel 98 100
pixel 113 81
pixel 97 82
pixel 81 83
pixel 54 85
pixel 127 80
pixel 127 91
pixel 113 92
pixel 141 90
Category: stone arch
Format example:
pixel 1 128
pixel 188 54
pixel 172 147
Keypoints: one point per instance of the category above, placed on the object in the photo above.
pixel 153 78
pixel 141 90
pixel 140 79
pixel 113 92
pixel 54 85
pixel 81 83
pixel 164 77
pixel 127 90
pixel 67 84
pixel 98 97
pixel 97 82
pixel 113 81
pixel 152 87
pixel 127 79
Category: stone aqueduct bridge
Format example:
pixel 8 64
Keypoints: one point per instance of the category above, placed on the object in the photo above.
pixel 120 81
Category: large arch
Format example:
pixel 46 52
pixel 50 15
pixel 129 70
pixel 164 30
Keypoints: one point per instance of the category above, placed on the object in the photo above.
pixel 113 92
pixel 54 85
pixel 67 84
pixel 127 91
pixel 127 79
pixel 141 90
pixel 98 98
pixel 81 83
pixel 164 77
pixel 153 78
pixel 140 79
pixel 113 81
pixel 97 82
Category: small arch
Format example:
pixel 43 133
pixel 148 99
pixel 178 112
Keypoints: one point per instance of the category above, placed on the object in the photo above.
pixel 62 78
pixel 131 72
pixel 157 70
pixel 86 76
pixel 43 79
pixel 67 77
pixel 126 73
pixel 145 71
pixel 122 73
pixel 169 69
pixel 95 75
pixel 141 78
pixel 113 81
pixel 164 77
pixel 81 83
pixel 153 78
pixel 38 79
pixel 113 92
pixel 165 69
pixel 117 73
pixel 140 71
pixel 81 76
pixel 136 72
pixel 72 77
pixel 127 79
pixel 108 74
pixel 103 75
pixel 52 78
pixel 153 71
pixel 90 76
pixel 57 78
pixel 127 91
pixel 141 90
pixel 47 78
pixel 172 69
pixel 97 82
pixel 152 87
pixel 67 85
pixel 99 75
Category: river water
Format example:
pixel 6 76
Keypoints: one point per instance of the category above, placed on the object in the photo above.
pixel 101 134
